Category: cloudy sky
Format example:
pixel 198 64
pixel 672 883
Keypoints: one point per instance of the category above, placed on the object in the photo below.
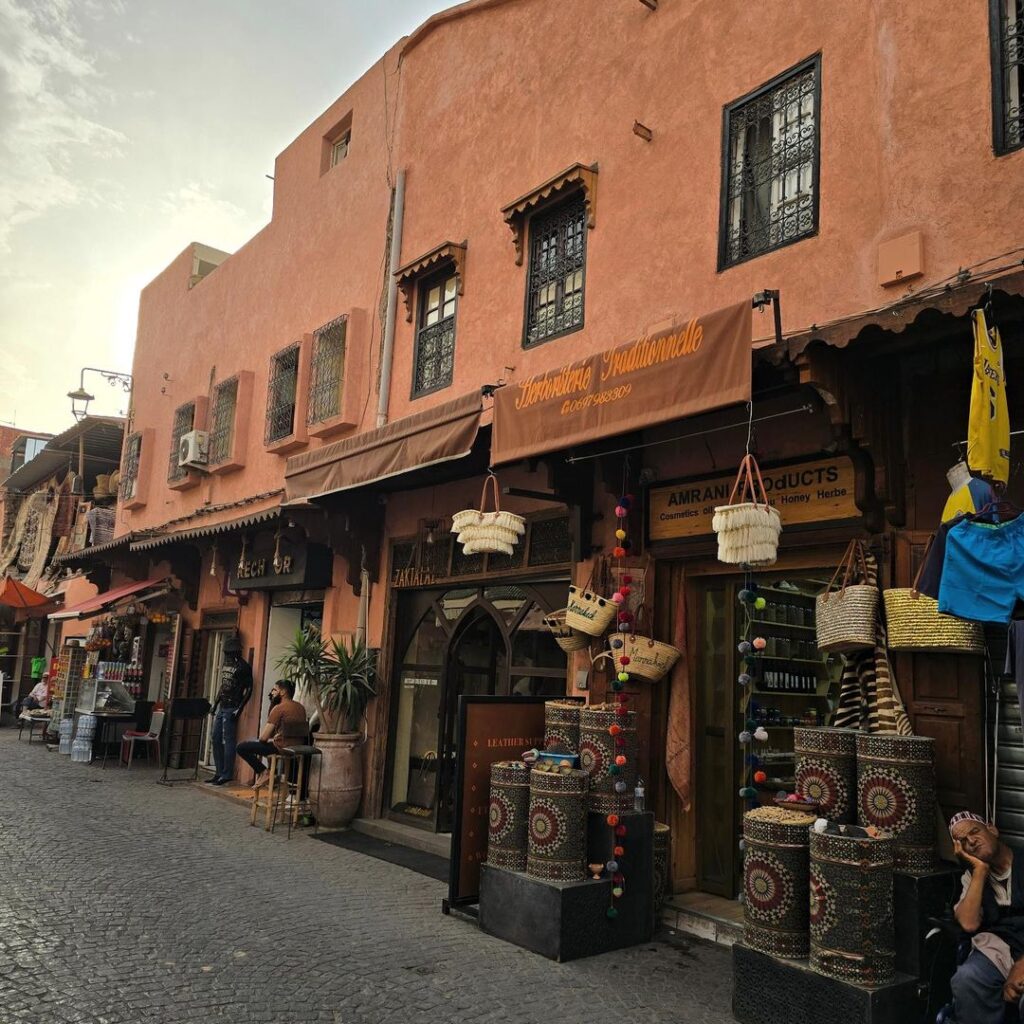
pixel 129 128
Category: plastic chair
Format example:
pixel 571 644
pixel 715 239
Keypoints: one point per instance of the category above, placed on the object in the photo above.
pixel 148 737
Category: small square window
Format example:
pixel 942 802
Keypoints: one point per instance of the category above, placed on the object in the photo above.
pixel 339 148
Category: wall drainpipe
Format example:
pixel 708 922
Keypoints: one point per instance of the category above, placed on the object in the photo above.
pixel 388 349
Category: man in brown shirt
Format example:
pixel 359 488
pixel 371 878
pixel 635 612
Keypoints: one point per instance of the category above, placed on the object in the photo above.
pixel 286 727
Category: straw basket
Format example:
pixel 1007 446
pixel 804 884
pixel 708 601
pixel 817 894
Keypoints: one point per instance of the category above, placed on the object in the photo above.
pixel 565 636
pixel 846 618
pixel 649 659
pixel 588 612
pixel 492 533
pixel 748 527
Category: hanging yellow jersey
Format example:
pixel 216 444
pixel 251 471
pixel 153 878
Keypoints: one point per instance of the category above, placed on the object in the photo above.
pixel 988 430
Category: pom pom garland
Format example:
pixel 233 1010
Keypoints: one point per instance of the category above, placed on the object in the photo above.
pixel 744 737
pixel 619 552
pixel 748 792
pixel 745 596
pixel 617 598
pixel 611 913
pixel 744 679
pixel 620 760
pixel 612 866
pixel 614 769
pixel 621 711
pixel 612 819
pixel 617 644
pixel 760 777
pixel 624 660
pixel 620 512
pixel 616 892
pixel 620 786
pixel 760 643
pixel 623 677
pixel 620 534
pixel 614 729
pixel 627 579
pixel 760 734
pixel 744 647
pixel 760 603
pixel 619 851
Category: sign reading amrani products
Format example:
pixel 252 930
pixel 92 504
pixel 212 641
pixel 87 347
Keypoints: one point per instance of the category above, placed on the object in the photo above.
pixel 806 492
pixel 699 364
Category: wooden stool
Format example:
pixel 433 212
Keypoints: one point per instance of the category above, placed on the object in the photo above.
pixel 274 792
pixel 304 755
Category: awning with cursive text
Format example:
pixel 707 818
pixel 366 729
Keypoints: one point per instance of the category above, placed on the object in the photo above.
pixel 701 363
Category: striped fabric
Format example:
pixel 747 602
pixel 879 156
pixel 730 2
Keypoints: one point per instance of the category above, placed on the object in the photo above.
pixel 868 698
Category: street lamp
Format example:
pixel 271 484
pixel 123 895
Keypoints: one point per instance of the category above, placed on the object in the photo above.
pixel 80 398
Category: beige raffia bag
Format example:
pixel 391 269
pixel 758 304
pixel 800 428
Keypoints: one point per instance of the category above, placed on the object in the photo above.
pixel 649 659
pixel 846 618
pixel 566 637
pixel 491 533
pixel 587 611
pixel 748 527
pixel 915 623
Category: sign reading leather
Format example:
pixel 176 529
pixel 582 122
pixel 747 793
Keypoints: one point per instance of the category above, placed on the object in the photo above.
pixel 806 492
pixel 699 364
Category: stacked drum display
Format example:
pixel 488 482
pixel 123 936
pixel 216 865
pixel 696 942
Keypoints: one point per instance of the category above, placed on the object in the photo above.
pixel 662 862
pixel 775 880
pixel 896 792
pixel 508 815
pixel 611 787
pixel 557 848
pixel 562 725
pixel 851 918
pixel 826 770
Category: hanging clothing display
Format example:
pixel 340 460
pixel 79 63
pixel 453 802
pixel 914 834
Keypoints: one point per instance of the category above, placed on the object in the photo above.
pixel 969 497
pixel 988 429
pixel 983 570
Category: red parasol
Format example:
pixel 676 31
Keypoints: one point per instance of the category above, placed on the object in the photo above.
pixel 16 595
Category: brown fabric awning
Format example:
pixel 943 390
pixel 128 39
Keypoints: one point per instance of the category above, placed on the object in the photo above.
pixel 699 364
pixel 427 438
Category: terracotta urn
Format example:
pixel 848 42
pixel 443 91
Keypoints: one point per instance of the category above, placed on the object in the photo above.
pixel 341 784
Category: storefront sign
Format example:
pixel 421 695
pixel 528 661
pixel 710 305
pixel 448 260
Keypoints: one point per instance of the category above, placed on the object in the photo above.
pixel 285 566
pixel 700 363
pixel 490 729
pixel 805 492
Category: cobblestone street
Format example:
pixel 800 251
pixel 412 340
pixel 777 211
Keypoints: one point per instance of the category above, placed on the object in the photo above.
pixel 124 901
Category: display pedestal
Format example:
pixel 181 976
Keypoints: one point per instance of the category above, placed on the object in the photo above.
pixel 767 990
pixel 916 899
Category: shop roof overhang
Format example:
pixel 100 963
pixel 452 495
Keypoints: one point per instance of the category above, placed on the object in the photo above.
pixel 397 451
pixel 94 553
pixel 44 465
pixel 144 591
pixel 98 437
pixel 143 542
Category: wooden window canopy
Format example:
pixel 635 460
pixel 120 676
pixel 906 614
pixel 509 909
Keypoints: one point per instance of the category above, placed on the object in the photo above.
pixel 578 176
pixel 446 252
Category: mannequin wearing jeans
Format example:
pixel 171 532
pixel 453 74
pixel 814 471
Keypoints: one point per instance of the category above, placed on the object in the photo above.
pixel 235 691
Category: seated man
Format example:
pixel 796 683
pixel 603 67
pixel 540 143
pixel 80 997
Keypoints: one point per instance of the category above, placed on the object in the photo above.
pixel 286 727
pixel 991 909
pixel 37 698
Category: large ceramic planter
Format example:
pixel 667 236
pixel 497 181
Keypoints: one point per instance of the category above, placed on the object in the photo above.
pixel 341 784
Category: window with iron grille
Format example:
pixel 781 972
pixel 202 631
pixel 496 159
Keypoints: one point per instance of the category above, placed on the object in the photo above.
pixel 130 466
pixel 1007 26
pixel 184 421
pixel 435 336
pixel 558 258
pixel 327 373
pixel 223 432
pixel 281 391
pixel 770 166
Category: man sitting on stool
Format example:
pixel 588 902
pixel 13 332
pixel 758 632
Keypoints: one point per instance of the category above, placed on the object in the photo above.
pixel 286 727
pixel 991 910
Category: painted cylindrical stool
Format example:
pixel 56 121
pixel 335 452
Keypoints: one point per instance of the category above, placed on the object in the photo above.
pixel 662 863
pixel 826 770
pixel 896 792
pixel 557 847
pixel 611 786
pixel 851 915
pixel 775 873
pixel 508 815
pixel 562 725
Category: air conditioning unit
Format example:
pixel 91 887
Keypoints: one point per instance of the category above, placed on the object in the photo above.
pixel 194 450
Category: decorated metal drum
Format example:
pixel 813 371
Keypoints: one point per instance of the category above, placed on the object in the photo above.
pixel 662 862
pixel 562 725
pixel 611 787
pixel 775 873
pixel 557 847
pixel 508 815
pixel 852 936
pixel 826 770
pixel 896 792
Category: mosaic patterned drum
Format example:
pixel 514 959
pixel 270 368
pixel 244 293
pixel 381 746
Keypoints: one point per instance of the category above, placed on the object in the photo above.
pixel 826 770
pixel 508 815
pixel 896 791
pixel 557 847
pixel 662 861
pixel 852 935
pixel 775 872
pixel 562 725
pixel 611 788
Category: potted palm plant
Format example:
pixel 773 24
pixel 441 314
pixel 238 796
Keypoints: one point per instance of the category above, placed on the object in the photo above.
pixel 340 679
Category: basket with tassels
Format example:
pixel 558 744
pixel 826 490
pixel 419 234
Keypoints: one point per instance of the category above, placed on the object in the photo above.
pixel 566 637
pixel 492 533
pixel 748 527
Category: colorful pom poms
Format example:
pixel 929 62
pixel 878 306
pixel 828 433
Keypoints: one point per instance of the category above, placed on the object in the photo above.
pixel 626 500
pixel 761 734
pixel 760 603
pixel 760 643
pixel 743 845
pixel 620 741
pixel 781 795
pixel 619 851
pixel 745 596
pixel 616 686
pixel 627 579
pixel 744 647
pixel 627 544
pixel 744 736
pixel 617 598
pixel 622 711
pixel 620 534
pixel 620 786
pixel 619 552
pixel 612 819
pixel 620 759
pixel 611 913
pixel 620 830
pixel 625 616
pixel 614 770
pixel 617 644
pixel 625 590
pixel 618 879
pixel 744 679
pixel 616 892
pixel 748 792
pixel 624 660
pixel 612 866
pixel 623 677
pixel 760 777
pixel 614 729
pixel 621 512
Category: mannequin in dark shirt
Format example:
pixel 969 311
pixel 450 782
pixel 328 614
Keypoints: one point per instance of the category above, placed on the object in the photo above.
pixel 235 691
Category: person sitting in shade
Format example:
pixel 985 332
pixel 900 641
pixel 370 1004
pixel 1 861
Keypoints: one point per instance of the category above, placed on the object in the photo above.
pixel 991 911
pixel 286 727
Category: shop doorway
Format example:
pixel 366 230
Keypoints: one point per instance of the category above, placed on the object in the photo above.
pixel 481 640
pixel 214 663
pixel 284 622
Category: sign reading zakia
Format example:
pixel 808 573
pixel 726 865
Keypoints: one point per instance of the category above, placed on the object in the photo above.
pixel 803 492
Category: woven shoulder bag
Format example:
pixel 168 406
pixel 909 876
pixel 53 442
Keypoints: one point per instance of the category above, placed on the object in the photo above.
pixel 748 527
pixel 846 618
pixel 482 532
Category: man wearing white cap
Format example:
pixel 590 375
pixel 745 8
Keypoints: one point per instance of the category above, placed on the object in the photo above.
pixel 991 910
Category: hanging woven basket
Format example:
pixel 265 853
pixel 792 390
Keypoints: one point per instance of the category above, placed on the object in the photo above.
pixel 649 659
pixel 588 612
pixel 846 618
pixel 566 637
pixel 748 527
pixel 488 532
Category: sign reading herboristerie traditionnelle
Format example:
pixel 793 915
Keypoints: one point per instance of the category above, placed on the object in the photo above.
pixel 804 492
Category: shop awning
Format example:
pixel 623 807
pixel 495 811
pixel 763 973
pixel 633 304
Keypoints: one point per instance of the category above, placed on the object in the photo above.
pixel 15 594
pixel 144 542
pixel 425 439
pixel 698 364
pixel 143 591
pixel 94 553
